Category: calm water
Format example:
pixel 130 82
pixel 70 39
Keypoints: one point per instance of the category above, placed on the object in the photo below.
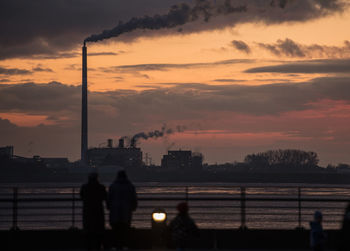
pixel 223 213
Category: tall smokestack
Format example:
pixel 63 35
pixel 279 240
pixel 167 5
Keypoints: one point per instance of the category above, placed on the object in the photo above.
pixel 84 111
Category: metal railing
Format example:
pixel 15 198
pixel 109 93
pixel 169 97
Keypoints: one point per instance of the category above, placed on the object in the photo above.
pixel 240 209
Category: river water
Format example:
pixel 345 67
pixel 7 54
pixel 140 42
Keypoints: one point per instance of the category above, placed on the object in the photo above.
pixel 212 205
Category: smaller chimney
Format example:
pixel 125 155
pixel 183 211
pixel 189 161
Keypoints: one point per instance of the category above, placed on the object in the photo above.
pixel 110 143
pixel 121 143
pixel 133 143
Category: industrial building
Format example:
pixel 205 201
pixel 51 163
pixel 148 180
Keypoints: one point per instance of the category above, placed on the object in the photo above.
pixel 184 160
pixel 6 152
pixel 121 156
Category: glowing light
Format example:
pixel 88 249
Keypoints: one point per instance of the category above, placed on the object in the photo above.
pixel 159 216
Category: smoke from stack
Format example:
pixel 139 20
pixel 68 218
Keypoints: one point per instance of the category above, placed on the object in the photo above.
pixel 152 134
pixel 178 15
pixel 270 11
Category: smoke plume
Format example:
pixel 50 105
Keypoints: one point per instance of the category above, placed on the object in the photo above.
pixel 240 11
pixel 177 15
pixel 153 134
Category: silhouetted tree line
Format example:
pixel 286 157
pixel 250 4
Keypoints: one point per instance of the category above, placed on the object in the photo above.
pixel 291 159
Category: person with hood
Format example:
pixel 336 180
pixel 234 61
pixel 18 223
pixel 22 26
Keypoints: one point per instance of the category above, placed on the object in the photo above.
pixel 182 227
pixel 122 201
pixel 317 235
pixel 93 194
pixel 344 235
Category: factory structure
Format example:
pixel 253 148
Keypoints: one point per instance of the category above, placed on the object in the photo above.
pixel 120 156
pixel 182 160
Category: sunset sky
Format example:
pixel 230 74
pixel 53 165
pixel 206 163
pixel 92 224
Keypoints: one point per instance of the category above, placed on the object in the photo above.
pixel 241 76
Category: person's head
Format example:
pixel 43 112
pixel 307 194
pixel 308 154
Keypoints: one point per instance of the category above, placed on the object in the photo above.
pixel 93 177
pixel 318 216
pixel 121 175
pixel 182 208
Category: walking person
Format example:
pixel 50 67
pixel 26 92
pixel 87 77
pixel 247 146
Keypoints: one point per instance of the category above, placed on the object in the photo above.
pixel 122 201
pixel 93 194
pixel 182 227
pixel 344 235
pixel 317 235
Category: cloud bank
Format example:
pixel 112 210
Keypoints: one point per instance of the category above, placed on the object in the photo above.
pixel 49 28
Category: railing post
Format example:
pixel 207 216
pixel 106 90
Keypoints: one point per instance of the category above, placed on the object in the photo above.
pixel 243 207
pixel 15 209
pixel 299 208
pixel 186 195
pixel 73 208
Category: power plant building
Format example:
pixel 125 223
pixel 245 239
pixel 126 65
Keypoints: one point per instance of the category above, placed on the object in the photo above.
pixel 126 157
pixel 182 160
pixel 6 152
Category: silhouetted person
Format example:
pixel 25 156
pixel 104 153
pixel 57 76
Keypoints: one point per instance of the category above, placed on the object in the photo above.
pixel 182 227
pixel 93 194
pixel 122 201
pixel 344 235
pixel 317 235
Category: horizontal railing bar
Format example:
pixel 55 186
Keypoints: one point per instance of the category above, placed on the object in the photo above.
pixel 192 206
pixel 192 185
pixel 190 199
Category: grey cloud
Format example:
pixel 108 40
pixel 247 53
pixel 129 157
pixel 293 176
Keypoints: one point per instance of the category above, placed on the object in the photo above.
pixel 173 99
pixel 112 113
pixel 307 67
pixel 165 67
pixel 41 69
pixel 291 48
pixel 50 55
pixel 39 98
pixel 228 80
pixel 47 28
pixel 103 54
pixel 4 80
pixel 38 140
pixel 241 46
pixel 13 71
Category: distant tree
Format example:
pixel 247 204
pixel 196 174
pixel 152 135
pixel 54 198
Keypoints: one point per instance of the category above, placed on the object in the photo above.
pixel 283 159
pixel 342 166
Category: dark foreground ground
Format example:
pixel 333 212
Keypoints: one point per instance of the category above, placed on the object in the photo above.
pixel 145 239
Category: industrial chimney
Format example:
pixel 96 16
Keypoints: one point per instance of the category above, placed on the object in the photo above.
pixel 121 143
pixel 84 111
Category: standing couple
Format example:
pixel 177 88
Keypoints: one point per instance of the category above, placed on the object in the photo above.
pixel 121 201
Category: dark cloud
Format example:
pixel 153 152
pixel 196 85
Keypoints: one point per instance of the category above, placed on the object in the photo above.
pixel 103 54
pixel 111 113
pixel 54 55
pixel 173 99
pixel 13 71
pixel 39 68
pixel 291 48
pixel 39 98
pixel 307 67
pixel 47 28
pixel 241 46
pixel 165 67
pixel 228 80
pixel 4 80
